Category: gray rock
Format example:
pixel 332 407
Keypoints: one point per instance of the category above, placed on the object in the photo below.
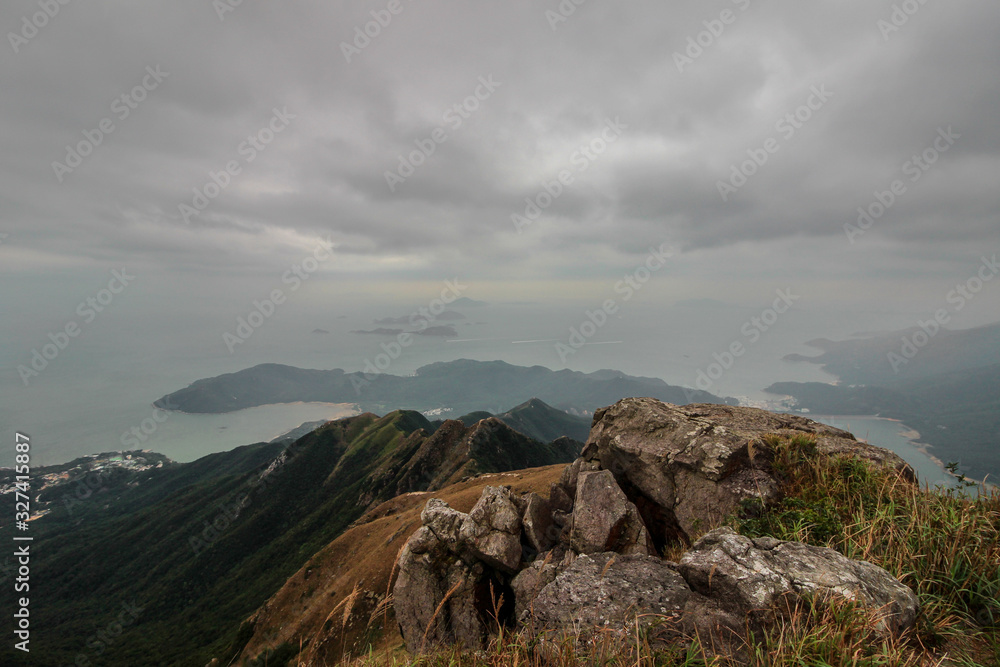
pixel 570 473
pixel 531 580
pixel 599 512
pixel 608 590
pixel 539 530
pixel 492 530
pixel 559 499
pixel 761 577
pixel 446 566
pixel 650 473
pixel 604 519
pixel 434 595
pixel 723 632
pixel 443 521
pixel 634 538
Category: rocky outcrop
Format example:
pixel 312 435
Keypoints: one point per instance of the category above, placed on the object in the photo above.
pixel 651 474
pixel 531 580
pixel 492 530
pixel 687 467
pixel 540 531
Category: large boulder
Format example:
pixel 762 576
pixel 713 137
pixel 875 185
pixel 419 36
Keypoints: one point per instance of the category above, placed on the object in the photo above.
pixel 540 530
pixel 764 576
pixel 434 595
pixel 688 467
pixel 610 591
pixel 531 580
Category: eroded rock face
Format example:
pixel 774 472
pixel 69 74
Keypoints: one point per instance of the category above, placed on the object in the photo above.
pixel 428 571
pixel 536 576
pixel 764 574
pixel 687 467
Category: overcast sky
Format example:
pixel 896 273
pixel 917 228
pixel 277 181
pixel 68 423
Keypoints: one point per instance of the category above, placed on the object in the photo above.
pixel 663 121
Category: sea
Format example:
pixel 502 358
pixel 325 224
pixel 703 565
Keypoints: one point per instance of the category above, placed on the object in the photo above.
pixel 96 394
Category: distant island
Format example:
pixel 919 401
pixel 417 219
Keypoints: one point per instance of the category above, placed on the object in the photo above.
pixel 466 302
pixel 444 330
pixel 447 316
pixel 456 387
pixel 381 331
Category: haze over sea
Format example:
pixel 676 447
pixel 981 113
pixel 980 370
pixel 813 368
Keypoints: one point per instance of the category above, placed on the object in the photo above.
pixel 102 385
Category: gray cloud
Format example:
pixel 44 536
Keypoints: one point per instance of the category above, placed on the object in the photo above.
pixel 325 173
